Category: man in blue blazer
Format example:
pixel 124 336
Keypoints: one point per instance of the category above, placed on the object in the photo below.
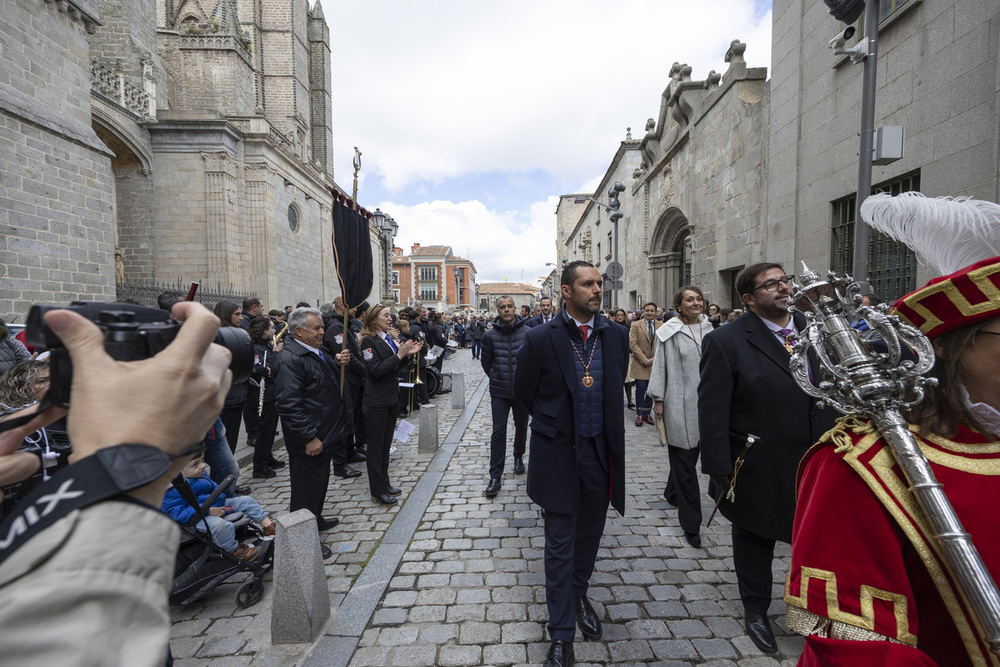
pixel 569 375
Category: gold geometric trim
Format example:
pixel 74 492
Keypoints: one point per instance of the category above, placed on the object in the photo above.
pixel 980 277
pixel 903 507
pixel 808 624
pixel 959 447
pixel 869 594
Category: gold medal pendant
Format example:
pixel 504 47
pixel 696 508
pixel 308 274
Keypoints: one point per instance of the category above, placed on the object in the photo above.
pixel 587 380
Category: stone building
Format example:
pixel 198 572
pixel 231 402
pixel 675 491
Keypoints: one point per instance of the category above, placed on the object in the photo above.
pixel 167 140
pixel 522 294
pixel 741 168
pixel 435 277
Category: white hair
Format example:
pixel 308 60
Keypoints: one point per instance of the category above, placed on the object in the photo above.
pixel 298 318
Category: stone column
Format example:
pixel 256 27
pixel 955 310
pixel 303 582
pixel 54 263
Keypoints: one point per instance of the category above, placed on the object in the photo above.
pixel 220 220
pixel 261 217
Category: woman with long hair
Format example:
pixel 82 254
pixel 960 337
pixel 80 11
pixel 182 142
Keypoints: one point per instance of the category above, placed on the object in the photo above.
pixel 383 358
pixel 265 370
pixel 673 385
pixel 230 315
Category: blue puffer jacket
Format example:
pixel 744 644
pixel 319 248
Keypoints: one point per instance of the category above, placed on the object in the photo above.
pixel 499 355
pixel 179 509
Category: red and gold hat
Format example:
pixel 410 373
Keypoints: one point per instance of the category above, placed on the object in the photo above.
pixel 960 239
pixel 950 302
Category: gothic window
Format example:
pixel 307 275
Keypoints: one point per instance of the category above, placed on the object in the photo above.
pixel 293 218
pixel 892 266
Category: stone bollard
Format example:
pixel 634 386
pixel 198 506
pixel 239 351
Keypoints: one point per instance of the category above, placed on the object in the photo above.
pixel 301 603
pixel 427 442
pixel 457 391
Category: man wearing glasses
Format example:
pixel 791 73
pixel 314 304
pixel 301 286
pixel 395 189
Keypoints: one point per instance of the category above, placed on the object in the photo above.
pixel 747 389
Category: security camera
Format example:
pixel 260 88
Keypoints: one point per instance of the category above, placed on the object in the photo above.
pixel 840 40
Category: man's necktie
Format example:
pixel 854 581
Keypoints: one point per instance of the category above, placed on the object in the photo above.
pixel 785 333
pixel 649 323
pixel 583 332
pixel 321 357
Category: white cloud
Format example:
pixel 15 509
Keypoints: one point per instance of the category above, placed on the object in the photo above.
pixel 500 244
pixel 434 90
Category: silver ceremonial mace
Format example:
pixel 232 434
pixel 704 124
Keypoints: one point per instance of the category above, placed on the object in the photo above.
pixel 859 379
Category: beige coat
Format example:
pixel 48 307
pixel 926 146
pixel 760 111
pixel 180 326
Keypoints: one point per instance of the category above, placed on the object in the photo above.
pixel 641 348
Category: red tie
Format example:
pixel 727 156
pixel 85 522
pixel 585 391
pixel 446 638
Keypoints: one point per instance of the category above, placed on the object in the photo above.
pixel 583 332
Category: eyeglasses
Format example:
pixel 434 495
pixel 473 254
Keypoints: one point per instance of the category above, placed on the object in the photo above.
pixel 772 285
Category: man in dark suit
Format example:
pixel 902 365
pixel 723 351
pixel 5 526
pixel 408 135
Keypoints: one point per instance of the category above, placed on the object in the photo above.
pixel 545 303
pixel 354 385
pixel 314 417
pixel 569 376
pixel 746 389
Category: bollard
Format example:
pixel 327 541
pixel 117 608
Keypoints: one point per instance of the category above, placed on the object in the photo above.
pixel 457 391
pixel 301 604
pixel 427 442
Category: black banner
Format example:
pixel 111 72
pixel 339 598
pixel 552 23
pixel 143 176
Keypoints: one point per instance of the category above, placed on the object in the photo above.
pixel 352 250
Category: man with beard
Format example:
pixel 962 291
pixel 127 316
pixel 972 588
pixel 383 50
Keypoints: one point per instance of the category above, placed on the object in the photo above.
pixel 569 375
pixel 747 389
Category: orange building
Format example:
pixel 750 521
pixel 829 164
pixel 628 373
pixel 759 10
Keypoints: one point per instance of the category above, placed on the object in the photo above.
pixel 433 276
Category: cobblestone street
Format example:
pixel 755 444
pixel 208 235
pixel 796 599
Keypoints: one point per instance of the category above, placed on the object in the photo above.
pixel 450 577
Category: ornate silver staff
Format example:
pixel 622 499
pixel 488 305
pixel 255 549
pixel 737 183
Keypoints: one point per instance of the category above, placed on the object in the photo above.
pixel 860 379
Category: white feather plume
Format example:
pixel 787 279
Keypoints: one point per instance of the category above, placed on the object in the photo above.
pixel 948 233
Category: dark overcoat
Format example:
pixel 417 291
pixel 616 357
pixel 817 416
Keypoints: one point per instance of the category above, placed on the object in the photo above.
pixel 309 402
pixel 747 387
pixel 546 383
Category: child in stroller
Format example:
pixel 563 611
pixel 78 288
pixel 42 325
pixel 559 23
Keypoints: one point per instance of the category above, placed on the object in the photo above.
pixel 221 516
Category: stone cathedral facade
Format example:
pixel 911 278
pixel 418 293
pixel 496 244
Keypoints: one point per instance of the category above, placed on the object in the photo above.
pixel 165 140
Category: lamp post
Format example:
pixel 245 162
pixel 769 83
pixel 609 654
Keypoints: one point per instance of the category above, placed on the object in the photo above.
pixel 458 287
pixel 615 270
pixel 387 229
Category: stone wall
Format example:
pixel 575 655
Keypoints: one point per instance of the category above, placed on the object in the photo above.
pixel 57 239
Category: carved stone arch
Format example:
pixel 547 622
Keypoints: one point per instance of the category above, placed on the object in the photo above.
pixel 125 139
pixel 669 254
pixel 189 11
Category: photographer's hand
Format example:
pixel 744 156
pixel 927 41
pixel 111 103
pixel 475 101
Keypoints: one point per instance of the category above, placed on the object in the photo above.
pixel 16 466
pixel 168 401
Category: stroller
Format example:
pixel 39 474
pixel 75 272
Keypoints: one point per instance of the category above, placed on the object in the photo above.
pixel 202 565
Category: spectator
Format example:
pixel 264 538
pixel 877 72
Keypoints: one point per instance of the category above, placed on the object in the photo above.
pixel 252 307
pixel 231 315
pixel 476 331
pixel 11 350
pixel 640 341
pixel 265 413
pixel 166 300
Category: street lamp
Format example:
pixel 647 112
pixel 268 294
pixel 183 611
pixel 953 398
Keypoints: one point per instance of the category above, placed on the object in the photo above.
pixel 615 270
pixel 458 287
pixel 387 228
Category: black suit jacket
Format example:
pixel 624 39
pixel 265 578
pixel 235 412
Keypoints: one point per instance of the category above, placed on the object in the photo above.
pixel 746 387
pixel 356 372
pixel 382 386
pixel 309 401
pixel 546 383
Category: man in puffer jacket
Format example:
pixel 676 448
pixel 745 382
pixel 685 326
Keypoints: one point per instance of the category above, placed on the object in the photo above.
pixel 12 352
pixel 499 358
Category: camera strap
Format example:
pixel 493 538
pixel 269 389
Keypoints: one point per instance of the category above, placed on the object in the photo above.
pixel 105 474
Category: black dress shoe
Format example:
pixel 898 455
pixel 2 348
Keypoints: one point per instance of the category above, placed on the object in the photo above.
pixel 385 499
pixel 694 539
pixel 346 471
pixel 241 490
pixel 518 466
pixel 275 464
pixel 493 488
pixel 263 472
pixel 361 449
pixel 586 618
pixel 393 491
pixel 560 654
pixel 325 551
pixel 324 523
pixel 759 631
pixel 357 457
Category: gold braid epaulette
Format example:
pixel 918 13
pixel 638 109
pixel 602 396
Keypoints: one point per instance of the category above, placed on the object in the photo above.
pixel 840 434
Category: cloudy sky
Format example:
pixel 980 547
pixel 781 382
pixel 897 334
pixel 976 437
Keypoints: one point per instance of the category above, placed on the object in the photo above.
pixel 473 116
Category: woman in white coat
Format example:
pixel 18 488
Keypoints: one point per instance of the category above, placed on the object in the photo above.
pixel 673 385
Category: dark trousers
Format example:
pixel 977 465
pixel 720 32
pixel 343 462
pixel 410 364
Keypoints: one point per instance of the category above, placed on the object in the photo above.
pixel 309 479
pixel 682 487
pixel 267 423
pixel 572 541
pixel 752 559
pixel 421 389
pixel 498 441
pixel 477 347
pixel 250 418
pixel 232 418
pixel 643 402
pixel 360 437
pixel 381 425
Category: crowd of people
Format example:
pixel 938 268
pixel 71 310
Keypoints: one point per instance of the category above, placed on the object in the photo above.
pixel 718 386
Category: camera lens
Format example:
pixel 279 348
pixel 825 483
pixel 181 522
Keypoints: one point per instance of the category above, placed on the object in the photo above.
pixel 237 341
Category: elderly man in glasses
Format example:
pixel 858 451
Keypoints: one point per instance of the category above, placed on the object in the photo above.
pixel 747 389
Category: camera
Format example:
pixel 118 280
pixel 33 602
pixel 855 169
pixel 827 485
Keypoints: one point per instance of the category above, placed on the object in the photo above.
pixel 131 333
pixel 840 40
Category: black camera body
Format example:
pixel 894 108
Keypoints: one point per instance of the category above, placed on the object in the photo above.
pixel 131 333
